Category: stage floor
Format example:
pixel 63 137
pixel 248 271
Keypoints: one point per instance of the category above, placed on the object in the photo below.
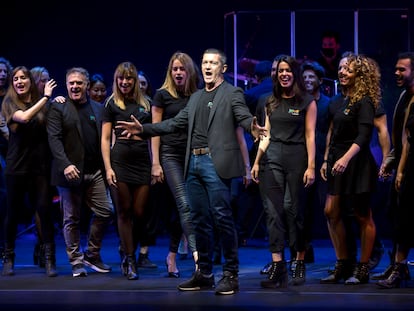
pixel 30 289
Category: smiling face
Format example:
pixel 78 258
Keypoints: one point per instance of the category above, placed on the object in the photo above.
pixel 21 83
pixel 404 76
pixel 285 75
pixel 346 73
pixel 77 86
pixel 97 92
pixel 311 80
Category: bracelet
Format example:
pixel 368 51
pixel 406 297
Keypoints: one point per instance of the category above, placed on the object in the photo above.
pixel 325 161
pixel 47 96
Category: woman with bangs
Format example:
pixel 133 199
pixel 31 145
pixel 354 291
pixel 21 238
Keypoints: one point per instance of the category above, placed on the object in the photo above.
pixel 349 166
pixel 127 163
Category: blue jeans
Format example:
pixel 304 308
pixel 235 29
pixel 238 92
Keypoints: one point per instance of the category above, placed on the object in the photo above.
pixel 92 192
pixel 210 206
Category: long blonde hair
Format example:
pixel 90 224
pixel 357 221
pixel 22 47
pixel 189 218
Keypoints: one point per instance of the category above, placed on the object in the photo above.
pixel 193 77
pixel 128 69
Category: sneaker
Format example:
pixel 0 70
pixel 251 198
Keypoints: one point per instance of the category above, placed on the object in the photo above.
pixel 96 264
pixel 78 270
pixel 197 282
pixel 228 285
pixel 145 262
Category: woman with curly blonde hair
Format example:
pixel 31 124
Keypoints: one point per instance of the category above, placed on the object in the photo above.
pixel 349 166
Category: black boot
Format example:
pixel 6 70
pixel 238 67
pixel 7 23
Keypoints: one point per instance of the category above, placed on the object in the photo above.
pixel 129 267
pixel 50 259
pixel 360 274
pixel 299 273
pixel 342 270
pixel 42 258
pixel 145 262
pixel 277 277
pixel 8 262
pixel 396 278
pixel 387 272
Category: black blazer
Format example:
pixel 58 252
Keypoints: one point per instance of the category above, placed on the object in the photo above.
pixel 228 111
pixel 66 139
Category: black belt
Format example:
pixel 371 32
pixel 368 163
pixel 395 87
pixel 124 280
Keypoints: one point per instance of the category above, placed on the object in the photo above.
pixel 200 151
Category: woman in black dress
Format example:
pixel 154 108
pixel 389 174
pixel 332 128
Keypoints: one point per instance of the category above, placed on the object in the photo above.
pixel 349 166
pixel 127 163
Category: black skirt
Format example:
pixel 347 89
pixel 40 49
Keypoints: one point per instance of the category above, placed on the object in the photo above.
pixel 130 160
pixel 360 176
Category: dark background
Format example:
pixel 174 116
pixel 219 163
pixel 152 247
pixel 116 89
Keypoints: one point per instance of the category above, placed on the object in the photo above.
pixel 98 35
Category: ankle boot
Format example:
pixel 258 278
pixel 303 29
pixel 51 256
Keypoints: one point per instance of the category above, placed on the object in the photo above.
pixel 360 274
pixel 397 277
pixel 299 273
pixel 387 272
pixel 8 262
pixel 342 270
pixel 50 259
pixel 277 277
pixel 130 267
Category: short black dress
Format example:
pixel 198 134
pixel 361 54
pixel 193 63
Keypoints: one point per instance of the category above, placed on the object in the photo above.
pixel 130 159
pixel 352 124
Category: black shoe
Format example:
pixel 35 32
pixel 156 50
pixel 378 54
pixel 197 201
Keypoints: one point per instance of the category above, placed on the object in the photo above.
pixel 298 273
pixel 396 279
pixel 343 270
pixel 171 274
pixel 129 267
pixel 360 275
pixel 277 276
pixel 197 282
pixel 266 268
pixel 228 285
pixel 96 264
pixel 145 262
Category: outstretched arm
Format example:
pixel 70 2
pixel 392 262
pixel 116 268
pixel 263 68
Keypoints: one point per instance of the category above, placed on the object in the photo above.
pixel 130 128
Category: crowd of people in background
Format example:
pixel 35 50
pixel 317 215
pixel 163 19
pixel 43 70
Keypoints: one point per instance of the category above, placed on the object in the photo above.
pixel 307 151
